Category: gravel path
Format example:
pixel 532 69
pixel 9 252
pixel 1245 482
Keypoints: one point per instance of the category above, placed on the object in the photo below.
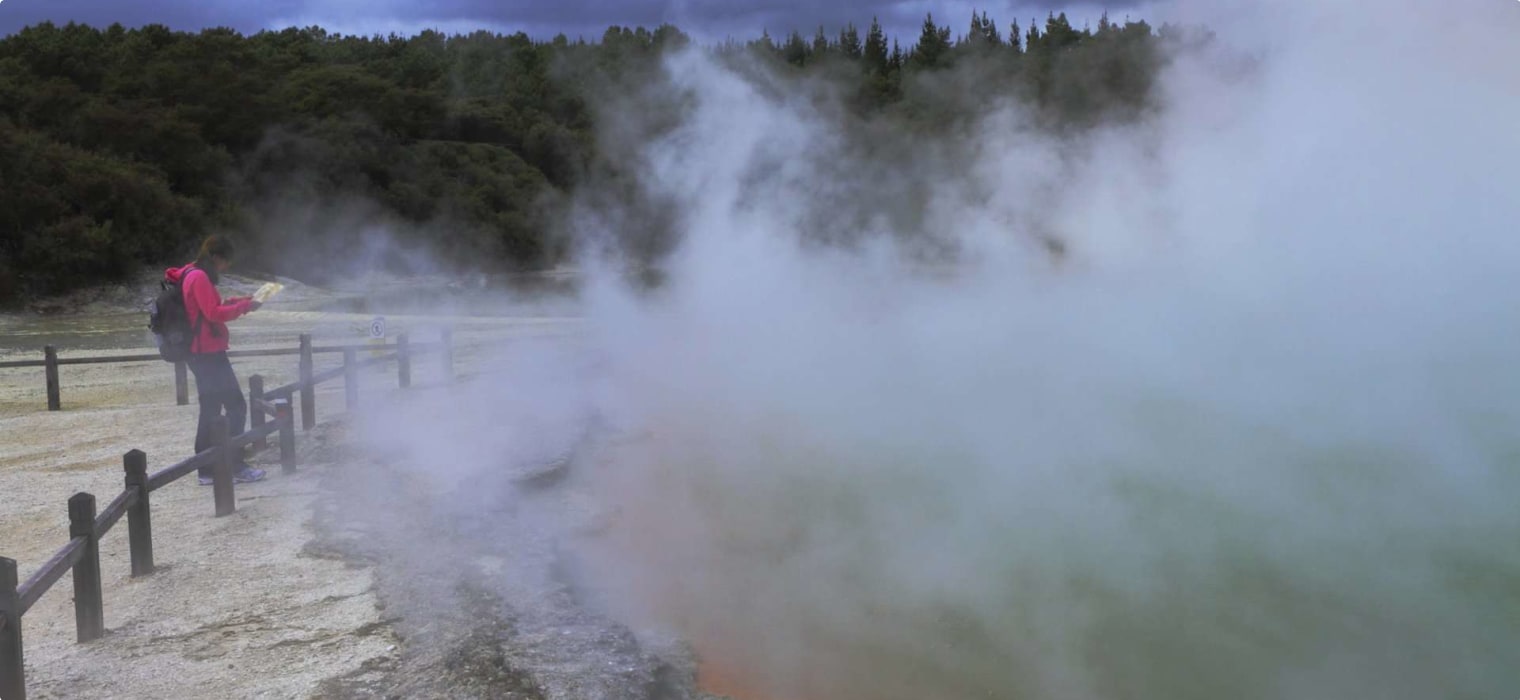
pixel 237 608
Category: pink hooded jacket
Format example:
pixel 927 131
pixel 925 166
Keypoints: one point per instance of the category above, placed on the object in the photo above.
pixel 204 304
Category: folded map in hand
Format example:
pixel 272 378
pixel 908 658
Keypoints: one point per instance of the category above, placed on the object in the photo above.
pixel 266 291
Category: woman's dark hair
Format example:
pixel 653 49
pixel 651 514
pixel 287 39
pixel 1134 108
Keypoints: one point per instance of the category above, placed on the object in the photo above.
pixel 214 246
pixel 219 246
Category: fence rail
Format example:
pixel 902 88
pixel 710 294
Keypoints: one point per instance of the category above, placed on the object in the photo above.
pixel 273 412
pixel 52 570
pixel 403 351
pixel 114 512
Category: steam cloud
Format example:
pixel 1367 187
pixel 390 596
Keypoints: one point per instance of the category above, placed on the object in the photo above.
pixel 1252 435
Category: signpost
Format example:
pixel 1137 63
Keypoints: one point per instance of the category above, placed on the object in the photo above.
pixel 377 336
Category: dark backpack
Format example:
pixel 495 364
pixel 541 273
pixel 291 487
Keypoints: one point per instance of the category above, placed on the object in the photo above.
pixel 170 323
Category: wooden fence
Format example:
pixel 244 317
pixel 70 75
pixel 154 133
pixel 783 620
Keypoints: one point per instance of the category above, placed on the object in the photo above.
pixel 271 411
pixel 50 363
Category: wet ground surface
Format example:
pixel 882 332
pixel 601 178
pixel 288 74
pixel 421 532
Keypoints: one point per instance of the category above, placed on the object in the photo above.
pixel 479 589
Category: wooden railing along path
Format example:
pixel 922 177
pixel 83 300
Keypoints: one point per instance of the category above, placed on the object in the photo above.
pixel 50 363
pixel 271 411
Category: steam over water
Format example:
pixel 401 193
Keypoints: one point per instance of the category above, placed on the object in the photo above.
pixel 1256 435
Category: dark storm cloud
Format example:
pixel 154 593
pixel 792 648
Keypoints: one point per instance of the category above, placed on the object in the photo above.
pixel 180 14
pixel 705 18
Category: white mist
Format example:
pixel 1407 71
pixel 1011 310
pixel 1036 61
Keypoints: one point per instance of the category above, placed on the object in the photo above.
pixel 1253 436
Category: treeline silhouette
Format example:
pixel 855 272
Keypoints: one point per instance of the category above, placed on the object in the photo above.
pixel 120 147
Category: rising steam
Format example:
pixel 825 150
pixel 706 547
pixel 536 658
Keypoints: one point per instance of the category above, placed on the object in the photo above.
pixel 1252 434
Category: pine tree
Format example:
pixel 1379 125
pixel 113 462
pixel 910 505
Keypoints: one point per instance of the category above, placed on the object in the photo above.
pixel 876 48
pixel 796 50
pixel 820 43
pixel 1059 34
pixel 849 42
pixel 990 34
pixel 1013 37
pixel 933 45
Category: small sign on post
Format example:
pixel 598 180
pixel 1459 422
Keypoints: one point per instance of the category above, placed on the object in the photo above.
pixel 377 336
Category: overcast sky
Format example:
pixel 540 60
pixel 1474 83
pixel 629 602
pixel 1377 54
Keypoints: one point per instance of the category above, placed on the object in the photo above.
pixel 707 19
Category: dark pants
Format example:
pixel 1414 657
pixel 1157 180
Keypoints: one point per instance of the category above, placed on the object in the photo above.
pixel 217 389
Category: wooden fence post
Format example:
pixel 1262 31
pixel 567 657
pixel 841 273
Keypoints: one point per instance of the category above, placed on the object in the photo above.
pixel 89 611
pixel 181 384
pixel 308 390
pixel 448 355
pixel 403 361
pixel 350 379
pixel 287 421
pixel 256 415
pixel 50 357
pixel 221 469
pixel 12 666
pixel 139 523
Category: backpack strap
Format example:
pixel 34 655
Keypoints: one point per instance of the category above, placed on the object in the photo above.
pixel 195 328
pixel 195 333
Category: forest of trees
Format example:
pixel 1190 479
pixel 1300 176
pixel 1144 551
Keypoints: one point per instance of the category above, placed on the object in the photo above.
pixel 121 147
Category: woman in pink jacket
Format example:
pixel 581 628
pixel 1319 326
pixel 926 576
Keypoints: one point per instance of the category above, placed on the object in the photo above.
pixel 216 385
